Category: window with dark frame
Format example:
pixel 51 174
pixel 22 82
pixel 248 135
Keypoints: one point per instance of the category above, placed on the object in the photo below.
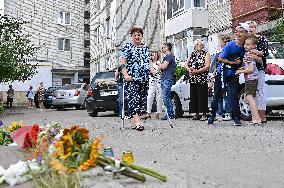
pixel 63 44
pixel 87 28
pixel 87 14
pixel 87 57
pixel 86 43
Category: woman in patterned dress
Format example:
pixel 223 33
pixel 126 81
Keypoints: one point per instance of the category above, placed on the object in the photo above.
pixel 260 55
pixel 41 91
pixel 135 60
pixel 197 67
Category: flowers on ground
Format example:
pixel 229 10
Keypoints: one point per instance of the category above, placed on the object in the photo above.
pixel 5 138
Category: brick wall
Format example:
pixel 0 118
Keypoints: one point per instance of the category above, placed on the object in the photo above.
pixel 261 11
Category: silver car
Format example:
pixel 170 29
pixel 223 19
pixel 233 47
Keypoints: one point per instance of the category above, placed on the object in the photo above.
pixel 70 95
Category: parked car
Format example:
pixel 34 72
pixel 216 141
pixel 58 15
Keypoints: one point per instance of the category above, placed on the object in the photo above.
pixel 102 94
pixel 48 96
pixel 274 90
pixel 70 95
pixel 47 101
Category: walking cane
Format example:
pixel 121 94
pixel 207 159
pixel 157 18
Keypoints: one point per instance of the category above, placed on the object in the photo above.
pixel 122 111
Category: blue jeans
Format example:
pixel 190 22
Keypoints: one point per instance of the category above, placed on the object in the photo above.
pixel 166 91
pixel 231 99
pixel 120 97
pixel 227 109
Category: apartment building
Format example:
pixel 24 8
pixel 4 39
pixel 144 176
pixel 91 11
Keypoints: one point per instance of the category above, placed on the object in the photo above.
pixel 220 22
pixel 111 22
pixel 185 21
pixel 60 30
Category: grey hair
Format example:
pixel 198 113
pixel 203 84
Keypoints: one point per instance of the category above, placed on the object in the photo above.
pixel 197 41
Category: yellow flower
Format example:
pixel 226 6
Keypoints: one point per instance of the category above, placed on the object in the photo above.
pixel 15 125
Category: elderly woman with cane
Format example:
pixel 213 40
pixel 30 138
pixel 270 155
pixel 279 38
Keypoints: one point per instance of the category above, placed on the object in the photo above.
pixel 135 61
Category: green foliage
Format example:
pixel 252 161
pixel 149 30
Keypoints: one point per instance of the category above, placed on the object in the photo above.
pixel 15 49
pixel 1 108
pixel 277 33
pixel 49 178
pixel 179 71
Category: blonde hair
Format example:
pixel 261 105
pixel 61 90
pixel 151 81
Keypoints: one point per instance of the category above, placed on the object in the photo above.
pixel 197 41
pixel 225 38
pixel 252 22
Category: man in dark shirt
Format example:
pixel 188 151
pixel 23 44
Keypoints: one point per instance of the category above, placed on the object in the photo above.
pixel 231 55
pixel 167 78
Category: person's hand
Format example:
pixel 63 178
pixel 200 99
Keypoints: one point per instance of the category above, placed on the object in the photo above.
pixel 152 71
pixel 128 78
pixel 190 71
pixel 253 56
pixel 254 51
pixel 238 72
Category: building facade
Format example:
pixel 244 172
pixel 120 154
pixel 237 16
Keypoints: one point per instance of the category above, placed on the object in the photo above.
pixel 59 29
pixel 111 22
pixel 185 21
pixel 220 22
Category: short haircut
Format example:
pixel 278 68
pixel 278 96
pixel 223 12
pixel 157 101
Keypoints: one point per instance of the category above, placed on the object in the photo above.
pixel 169 46
pixel 253 39
pixel 158 55
pixel 136 29
pixel 197 41
pixel 225 38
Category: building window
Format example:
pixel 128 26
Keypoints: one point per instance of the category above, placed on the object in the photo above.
pixel 64 44
pixel 178 6
pixel 220 2
pixel 108 26
pixel 87 1
pixel 87 57
pixel 66 81
pixel 87 28
pixel 199 3
pixel 87 15
pixel 86 43
pixel 64 18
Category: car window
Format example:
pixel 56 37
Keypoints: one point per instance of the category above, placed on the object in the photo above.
pixel 70 86
pixel 276 50
pixel 103 75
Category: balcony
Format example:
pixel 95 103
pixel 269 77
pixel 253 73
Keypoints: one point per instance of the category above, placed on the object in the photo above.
pixel 190 18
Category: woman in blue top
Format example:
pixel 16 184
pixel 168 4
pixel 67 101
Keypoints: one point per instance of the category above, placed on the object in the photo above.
pixel 135 60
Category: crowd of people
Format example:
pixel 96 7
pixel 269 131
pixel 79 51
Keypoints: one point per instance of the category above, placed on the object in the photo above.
pixel 142 76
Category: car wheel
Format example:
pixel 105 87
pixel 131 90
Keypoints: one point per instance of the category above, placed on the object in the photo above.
pixel 59 107
pixel 94 113
pixel 177 106
pixel 244 106
pixel 47 106
pixel 78 107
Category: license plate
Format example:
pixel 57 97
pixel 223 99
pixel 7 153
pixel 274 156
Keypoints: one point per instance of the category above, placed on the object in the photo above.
pixel 108 93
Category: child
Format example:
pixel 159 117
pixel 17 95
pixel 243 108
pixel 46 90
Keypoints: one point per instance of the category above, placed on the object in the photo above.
pixel 250 72
pixel 30 95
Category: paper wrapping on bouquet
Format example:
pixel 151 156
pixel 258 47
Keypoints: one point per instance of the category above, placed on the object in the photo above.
pixel 26 136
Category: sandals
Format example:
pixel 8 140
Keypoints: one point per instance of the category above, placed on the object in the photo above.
pixel 137 127
pixel 254 123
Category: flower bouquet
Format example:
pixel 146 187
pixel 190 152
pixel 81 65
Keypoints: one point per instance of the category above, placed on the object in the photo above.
pixel 5 138
pixel 74 152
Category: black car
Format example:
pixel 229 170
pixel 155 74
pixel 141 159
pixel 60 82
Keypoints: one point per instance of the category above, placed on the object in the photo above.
pixel 48 95
pixel 102 94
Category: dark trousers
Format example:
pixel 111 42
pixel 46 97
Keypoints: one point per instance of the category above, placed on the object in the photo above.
pixel 9 102
pixel 198 98
pixel 232 89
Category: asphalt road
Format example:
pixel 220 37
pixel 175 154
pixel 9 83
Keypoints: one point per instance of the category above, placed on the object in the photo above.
pixel 191 154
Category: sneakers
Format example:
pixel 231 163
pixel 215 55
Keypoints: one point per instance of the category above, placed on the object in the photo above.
pixel 203 118
pixel 227 117
pixel 219 118
pixel 237 122
pixel 211 120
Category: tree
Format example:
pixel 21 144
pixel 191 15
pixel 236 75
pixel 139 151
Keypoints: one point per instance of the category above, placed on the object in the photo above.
pixel 277 33
pixel 15 50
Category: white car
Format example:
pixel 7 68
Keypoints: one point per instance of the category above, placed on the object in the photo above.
pixel 274 87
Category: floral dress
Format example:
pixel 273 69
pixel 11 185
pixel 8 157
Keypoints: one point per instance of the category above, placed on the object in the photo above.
pixel 41 92
pixel 138 67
